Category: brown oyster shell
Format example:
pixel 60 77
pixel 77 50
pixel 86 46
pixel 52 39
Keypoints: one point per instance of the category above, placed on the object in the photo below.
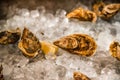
pixel 29 44
pixel 115 49
pixel 82 15
pixel 110 10
pixel 107 11
pixel 81 44
pixel 1 74
pixel 63 42
pixel 80 76
pixel 9 37
pixel 98 7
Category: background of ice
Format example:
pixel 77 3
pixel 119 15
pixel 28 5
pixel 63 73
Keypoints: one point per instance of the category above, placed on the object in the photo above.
pixel 49 27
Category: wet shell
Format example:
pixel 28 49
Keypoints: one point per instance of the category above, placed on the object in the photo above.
pixel 80 44
pixel 110 10
pixel 115 50
pixel 9 37
pixel 29 44
pixel 82 15
pixel 98 7
pixel 80 76
pixel 1 73
pixel 107 11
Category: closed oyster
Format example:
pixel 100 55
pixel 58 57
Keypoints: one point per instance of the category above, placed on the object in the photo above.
pixel 9 37
pixel 29 44
pixel 115 50
pixel 110 10
pixel 80 76
pixel 80 44
pixel 106 11
pixel 82 15
pixel 1 74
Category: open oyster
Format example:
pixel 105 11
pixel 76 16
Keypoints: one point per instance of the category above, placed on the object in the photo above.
pixel 83 15
pixel 9 37
pixel 115 50
pixel 1 74
pixel 80 76
pixel 80 44
pixel 29 44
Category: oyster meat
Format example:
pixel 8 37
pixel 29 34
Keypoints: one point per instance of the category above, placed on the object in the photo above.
pixel 82 15
pixel 115 49
pixel 29 44
pixel 9 37
pixel 80 76
pixel 80 44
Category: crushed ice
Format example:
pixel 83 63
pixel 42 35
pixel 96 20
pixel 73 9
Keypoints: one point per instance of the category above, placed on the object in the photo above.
pixel 49 27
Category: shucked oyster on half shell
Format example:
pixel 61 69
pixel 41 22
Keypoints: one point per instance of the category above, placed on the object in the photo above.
pixel 82 15
pixel 29 44
pixel 80 76
pixel 9 37
pixel 115 50
pixel 80 44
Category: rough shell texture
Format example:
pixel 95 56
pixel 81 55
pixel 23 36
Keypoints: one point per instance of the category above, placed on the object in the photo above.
pixel 9 37
pixel 83 15
pixel 80 44
pixel 29 44
pixel 106 11
pixel 80 76
pixel 110 10
pixel 1 74
pixel 98 7
pixel 115 50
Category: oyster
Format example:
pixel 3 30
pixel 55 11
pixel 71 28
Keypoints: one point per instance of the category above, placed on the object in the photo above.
pixel 1 74
pixel 80 44
pixel 9 37
pixel 110 10
pixel 115 50
pixel 29 44
pixel 106 11
pixel 98 7
pixel 83 15
pixel 80 76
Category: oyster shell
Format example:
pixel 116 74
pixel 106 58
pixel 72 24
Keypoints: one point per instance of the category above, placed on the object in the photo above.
pixel 110 10
pixel 115 50
pixel 98 7
pixel 9 37
pixel 29 44
pixel 82 15
pixel 107 11
pixel 80 44
pixel 1 74
pixel 80 76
